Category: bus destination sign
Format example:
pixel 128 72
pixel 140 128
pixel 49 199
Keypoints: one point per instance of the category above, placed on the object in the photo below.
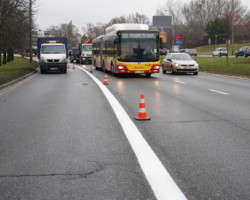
pixel 138 36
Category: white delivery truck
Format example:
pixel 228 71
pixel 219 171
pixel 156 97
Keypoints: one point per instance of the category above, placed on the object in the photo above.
pixel 52 53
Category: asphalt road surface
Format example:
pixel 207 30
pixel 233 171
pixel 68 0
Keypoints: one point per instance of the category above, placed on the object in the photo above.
pixel 60 139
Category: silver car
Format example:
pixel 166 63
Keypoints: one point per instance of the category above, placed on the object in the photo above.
pixel 220 51
pixel 179 63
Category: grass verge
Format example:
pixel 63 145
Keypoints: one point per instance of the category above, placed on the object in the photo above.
pixel 208 50
pixel 15 69
pixel 218 65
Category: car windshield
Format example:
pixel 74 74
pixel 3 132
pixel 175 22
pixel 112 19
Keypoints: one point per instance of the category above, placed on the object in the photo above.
pixel 181 57
pixel 52 49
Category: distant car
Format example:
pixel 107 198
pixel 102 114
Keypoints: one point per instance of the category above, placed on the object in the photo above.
pixel 179 63
pixel 191 52
pixel 243 51
pixel 173 51
pixel 25 54
pixel 220 52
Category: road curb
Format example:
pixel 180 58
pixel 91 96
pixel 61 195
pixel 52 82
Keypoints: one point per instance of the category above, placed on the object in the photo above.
pixel 226 75
pixel 18 79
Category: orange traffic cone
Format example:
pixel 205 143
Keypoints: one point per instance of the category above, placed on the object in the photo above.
pixel 105 82
pixel 68 66
pixel 90 70
pixel 73 66
pixel 142 114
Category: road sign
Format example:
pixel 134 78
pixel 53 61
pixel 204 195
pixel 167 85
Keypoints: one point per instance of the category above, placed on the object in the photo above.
pixel 209 41
pixel 179 38
pixel 163 35
pixel 162 21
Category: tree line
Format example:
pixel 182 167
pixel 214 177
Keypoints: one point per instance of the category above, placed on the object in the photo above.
pixel 217 20
pixel 92 31
pixel 14 27
pixel 198 21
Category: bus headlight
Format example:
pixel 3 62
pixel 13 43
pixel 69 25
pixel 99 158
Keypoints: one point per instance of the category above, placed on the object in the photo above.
pixel 155 67
pixel 121 67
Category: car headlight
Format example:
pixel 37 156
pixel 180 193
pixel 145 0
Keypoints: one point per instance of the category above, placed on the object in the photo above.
pixel 177 65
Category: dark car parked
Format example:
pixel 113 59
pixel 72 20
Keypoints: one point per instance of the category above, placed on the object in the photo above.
pixel 243 51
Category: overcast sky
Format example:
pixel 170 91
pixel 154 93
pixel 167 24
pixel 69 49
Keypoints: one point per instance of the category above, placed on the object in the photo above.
pixel 82 12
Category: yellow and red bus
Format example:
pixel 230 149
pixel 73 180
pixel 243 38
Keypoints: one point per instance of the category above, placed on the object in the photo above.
pixel 126 49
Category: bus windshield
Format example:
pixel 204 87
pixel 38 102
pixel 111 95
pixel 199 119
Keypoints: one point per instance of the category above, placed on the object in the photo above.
pixel 138 50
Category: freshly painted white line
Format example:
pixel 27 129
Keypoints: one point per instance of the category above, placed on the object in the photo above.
pixel 180 82
pixel 218 92
pixel 159 179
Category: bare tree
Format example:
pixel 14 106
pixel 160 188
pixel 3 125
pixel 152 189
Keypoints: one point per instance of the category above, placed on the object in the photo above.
pixel 93 31
pixel 14 26
pixel 137 18
pixel 65 30
pixel 235 11
pixel 192 18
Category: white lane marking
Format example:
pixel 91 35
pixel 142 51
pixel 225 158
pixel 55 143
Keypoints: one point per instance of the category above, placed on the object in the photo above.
pixel 180 82
pixel 218 92
pixel 158 177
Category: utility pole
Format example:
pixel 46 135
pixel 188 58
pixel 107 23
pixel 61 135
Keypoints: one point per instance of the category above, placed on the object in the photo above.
pixel 173 28
pixel 232 12
pixel 30 27
pixel 172 15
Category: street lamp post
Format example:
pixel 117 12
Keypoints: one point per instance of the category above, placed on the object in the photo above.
pixel 173 29
pixel 30 31
pixel 172 15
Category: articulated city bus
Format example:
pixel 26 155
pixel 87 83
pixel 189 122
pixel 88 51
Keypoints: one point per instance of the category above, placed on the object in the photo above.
pixel 127 48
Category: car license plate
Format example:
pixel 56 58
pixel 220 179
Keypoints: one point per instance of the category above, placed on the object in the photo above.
pixel 139 72
pixel 53 68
